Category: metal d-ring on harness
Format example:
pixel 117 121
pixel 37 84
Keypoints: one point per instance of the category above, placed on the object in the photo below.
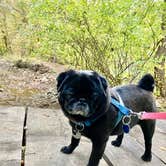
pixel 126 121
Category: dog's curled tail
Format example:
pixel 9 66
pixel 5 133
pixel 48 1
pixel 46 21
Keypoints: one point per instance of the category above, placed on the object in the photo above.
pixel 147 82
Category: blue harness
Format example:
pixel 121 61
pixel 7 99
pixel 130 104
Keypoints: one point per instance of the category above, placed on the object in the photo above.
pixel 123 111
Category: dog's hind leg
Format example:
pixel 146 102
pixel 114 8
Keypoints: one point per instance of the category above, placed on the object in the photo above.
pixel 148 127
pixel 118 140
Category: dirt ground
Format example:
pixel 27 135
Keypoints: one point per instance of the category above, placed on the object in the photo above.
pixel 33 85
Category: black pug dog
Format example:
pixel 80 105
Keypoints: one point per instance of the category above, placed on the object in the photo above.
pixel 85 99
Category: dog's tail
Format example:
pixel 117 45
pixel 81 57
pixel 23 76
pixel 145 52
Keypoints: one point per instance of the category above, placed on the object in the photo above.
pixel 147 82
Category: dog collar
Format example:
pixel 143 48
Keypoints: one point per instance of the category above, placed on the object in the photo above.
pixel 79 126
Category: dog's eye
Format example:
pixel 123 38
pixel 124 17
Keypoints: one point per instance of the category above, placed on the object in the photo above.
pixel 68 95
pixel 95 95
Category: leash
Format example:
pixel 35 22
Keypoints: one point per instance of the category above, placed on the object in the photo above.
pixel 151 115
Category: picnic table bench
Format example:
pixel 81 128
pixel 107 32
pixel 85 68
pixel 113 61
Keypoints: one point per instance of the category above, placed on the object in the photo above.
pixel 34 137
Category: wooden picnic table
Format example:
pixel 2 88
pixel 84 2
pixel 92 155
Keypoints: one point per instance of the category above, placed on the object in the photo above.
pixel 38 137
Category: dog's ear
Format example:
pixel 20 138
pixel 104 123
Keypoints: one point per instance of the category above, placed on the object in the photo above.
pixel 62 78
pixel 102 81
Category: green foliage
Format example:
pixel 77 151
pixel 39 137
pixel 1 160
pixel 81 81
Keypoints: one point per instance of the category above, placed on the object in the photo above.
pixel 116 38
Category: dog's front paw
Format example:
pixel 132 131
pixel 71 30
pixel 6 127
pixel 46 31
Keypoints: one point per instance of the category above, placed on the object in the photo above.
pixel 146 157
pixel 116 143
pixel 66 150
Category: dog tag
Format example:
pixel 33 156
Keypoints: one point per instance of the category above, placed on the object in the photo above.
pixel 126 122
pixel 126 128
pixel 77 135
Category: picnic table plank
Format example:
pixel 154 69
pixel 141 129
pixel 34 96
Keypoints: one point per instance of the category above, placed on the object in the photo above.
pixel 129 154
pixel 159 139
pixel 133 147
pixel 161 125
pixel 11 127
pixel 47 132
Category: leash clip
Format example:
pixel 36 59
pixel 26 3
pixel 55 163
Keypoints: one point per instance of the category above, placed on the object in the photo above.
pixel 139 114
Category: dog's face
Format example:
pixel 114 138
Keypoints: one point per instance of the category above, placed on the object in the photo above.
pixel 82 94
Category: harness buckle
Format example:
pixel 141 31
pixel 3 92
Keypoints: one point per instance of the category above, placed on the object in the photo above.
pixel 139 114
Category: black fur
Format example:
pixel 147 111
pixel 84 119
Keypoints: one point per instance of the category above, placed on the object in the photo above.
pixel 147 82
pixel 84 95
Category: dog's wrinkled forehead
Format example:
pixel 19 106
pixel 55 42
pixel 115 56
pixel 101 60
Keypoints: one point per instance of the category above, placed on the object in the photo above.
pixel 80 79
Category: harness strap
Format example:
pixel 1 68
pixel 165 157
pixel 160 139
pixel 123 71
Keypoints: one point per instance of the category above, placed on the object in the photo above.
pixel 120 116
pixel 124 110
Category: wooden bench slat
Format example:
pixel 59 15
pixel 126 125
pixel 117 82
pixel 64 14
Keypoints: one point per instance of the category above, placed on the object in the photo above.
pixel 47 132
pixel 159 139
pixel 11 127
pixel 161 126
pixel 129 153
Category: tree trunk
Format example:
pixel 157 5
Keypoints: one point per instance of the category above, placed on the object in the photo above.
pixel 5 34
pixel 159 71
